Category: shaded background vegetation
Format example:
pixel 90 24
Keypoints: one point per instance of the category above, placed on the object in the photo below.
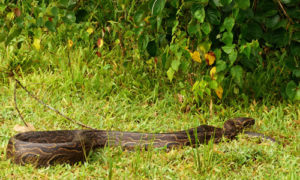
pixel 205 50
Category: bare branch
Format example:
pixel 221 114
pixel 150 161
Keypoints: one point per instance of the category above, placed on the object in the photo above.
pixel 16 105
pixel 284 12
pixel 51 108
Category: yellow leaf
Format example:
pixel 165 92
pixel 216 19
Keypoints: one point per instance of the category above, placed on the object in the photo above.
pixel 70 43
pixel 186 48
pixel 210 58
pixel 100 42
pixel 147 19
pixel 10 16
pixel 37 43
pixel 149 61
pixel 19 128
pixel 219 92
pixel 90 30
pixel 213 73
pixel 204 46
pixel 196 56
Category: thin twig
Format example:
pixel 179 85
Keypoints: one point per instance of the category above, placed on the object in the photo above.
pixel 121 44
pixel 254 5
pixel 284 12
pixel 51 108
pixel 16 105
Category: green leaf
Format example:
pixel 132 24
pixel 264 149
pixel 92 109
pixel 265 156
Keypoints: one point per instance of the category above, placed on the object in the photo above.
pixel 220 66
pixel 39 21
pixel 243 4
pixel 174 3
pixel 290 62
pixel 184 66
pixel 143 42
pixel 128 34
pixel 228 24
pixel 164 59
pixel 246 50
pixel 291 89
pixel 64 2
pixel 199 14
pixel 178 54
pixel 13 33
pixel 54 11
pixel 193 28
pixel 227 38
pixel 235 12
pixel 174 47
pixel 297 95
pixel 251 30
pixel 138 17
pixel 237 74
pixel 175 26
pixel 20 21
pixel 272 22
pixel 228 49
pixel 138 31
pixel 270 13
pixel 225 2
pixel 213 16
pixel 294 12
pixel 213 84
pixel 203 1
pixel 157 7
pixel 69 18
pixel 279 38
pixel 2 7
pixel 152 48
pixel 206 28
pixel 217 3
pixel 296 73
pixel 204 46
pixel 195 86
pixel 232 57
pixel 207 91
pixel 170 74
pixel 296 36
pixel 2 36
pixel 50 26
pixel 175 64
pixel 38 33
pixel 218 53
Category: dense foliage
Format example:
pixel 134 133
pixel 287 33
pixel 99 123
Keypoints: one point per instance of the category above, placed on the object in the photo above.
pixel 218 48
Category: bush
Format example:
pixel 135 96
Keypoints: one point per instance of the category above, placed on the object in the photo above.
pixel 220 48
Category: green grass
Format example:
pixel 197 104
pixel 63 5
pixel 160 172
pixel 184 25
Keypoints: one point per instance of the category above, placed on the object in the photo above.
pixel 105 94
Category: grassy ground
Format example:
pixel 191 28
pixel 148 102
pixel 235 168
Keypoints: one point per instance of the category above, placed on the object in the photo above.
pixel 109 96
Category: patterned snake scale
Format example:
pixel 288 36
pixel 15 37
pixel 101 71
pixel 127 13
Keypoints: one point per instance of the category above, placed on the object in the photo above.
pixel 44 148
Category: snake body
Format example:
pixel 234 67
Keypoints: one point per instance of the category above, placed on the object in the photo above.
pixel 43 148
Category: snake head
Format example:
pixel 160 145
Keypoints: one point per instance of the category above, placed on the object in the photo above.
pixel 234 126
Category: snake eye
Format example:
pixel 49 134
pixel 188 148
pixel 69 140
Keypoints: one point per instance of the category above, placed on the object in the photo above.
pixel 244 122
pixel 248 122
